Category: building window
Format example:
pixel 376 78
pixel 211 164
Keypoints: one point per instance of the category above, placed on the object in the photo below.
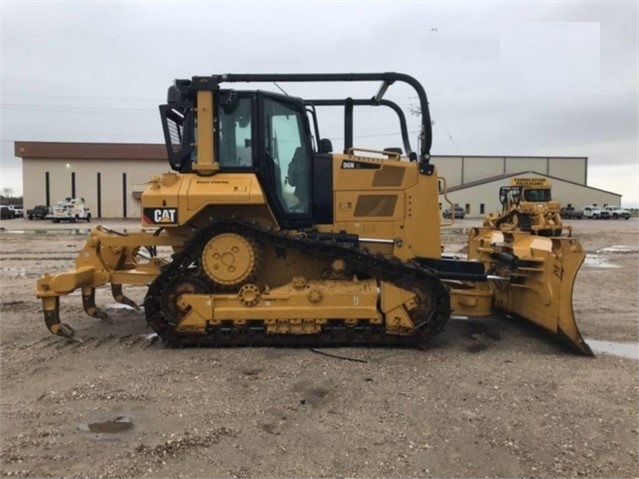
pixel 481 208
pixel 467 208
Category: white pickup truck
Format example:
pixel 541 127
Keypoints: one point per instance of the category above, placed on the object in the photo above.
pixel 595 212
pixel 617 212
pixel 18 210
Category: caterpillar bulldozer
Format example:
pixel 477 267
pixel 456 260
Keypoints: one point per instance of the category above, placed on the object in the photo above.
pixel 278 240
pixel 527 206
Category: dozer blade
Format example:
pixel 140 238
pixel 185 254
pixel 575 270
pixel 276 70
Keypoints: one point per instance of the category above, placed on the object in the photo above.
pixel 542 274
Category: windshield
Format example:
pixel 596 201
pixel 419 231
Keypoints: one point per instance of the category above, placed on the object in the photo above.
pixel 537 195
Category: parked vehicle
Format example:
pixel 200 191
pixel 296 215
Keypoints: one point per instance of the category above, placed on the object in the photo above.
pixel 39 212
pixel 71 209
pixel 6 213
pixel 594 212
pixel 571 213
pixel 459 213
pixel 617 212
pixel 18 210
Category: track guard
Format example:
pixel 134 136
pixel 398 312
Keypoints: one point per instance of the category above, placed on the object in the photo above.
pixel 542 274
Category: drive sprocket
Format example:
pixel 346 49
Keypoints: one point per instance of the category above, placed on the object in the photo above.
pixel 230 259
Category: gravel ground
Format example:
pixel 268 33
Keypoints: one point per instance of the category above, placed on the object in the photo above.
pixel 124 405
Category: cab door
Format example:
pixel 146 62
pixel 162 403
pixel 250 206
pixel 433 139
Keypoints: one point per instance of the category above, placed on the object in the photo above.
pixel 286 154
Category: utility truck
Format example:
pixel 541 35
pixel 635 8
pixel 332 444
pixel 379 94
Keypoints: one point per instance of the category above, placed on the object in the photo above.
pixel 70 209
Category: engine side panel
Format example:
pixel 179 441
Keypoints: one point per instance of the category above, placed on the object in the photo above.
pixel 388 200
pixel 175 200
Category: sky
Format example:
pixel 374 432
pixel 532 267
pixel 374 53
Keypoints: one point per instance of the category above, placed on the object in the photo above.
pixel 503 78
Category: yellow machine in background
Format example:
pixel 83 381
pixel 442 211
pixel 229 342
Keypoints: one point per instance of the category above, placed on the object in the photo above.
pixel 278 240
pixel 527 206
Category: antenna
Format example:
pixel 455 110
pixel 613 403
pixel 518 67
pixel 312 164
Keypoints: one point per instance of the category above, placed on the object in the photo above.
pixel 281 89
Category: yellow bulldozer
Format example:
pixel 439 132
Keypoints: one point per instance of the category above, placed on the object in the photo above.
pixel 278 240
pixel 527 205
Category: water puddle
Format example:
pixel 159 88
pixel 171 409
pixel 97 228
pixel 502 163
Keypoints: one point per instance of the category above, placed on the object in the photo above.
pixel 619 249
pixel 61 231
pixel 596 261
pixel 599 259
pixel 624 350
pixel 118 425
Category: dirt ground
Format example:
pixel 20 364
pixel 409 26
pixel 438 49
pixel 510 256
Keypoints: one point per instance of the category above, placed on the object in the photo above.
pixel 124 405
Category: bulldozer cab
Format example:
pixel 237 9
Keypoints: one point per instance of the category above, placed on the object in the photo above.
pixel 262 133
pixel 210 130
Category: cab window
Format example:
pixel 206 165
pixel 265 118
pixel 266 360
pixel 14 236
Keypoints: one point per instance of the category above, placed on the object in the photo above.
pixel 235 134
pixel 537 195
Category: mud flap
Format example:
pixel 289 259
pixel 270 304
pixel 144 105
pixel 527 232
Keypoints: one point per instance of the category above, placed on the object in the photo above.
pixel 542 274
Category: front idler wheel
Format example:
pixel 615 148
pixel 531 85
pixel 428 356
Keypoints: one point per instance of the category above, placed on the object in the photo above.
pixel 424 308
pixel 176 288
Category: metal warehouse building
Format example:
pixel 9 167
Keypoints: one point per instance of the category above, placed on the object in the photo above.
pixel 112 176
pixel 481 196
pixel 473 181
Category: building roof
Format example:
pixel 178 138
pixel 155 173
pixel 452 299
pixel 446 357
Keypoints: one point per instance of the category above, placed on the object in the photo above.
pixel 510 175
pixel 111 151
